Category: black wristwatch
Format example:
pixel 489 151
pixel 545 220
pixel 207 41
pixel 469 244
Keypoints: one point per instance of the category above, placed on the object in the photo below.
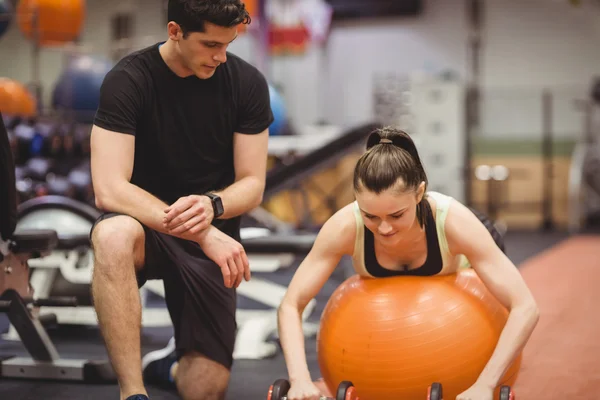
pixel 217 204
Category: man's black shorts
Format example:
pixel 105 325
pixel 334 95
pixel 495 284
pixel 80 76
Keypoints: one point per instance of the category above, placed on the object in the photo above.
pixel 202 309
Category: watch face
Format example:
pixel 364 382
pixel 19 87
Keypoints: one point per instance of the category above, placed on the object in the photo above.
pixel 218 204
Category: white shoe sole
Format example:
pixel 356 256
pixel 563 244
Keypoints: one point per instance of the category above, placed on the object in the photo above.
pixel 158 354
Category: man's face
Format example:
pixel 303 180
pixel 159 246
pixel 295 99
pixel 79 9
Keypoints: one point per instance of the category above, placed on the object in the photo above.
pixel 202 52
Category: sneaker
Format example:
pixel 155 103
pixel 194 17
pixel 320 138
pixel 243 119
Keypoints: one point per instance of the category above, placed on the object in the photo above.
pixel 156 366
pixel 138 397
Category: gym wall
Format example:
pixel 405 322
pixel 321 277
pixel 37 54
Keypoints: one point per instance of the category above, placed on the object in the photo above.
pixel 527 44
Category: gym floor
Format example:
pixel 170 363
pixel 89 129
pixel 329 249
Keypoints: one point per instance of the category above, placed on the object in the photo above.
pixel 249 380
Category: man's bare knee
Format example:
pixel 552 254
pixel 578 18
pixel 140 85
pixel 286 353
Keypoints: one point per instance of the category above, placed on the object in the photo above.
pixel 200 378
pixel 116 241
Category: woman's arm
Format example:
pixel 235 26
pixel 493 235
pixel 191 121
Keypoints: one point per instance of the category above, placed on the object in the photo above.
pixel 467 235
pixel 335 239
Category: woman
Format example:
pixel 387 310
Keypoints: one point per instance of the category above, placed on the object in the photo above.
pixel 395 227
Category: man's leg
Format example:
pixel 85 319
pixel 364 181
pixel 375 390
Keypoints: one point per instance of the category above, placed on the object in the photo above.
pixel 119 250
pixel 203 313
pixel 160 366
pixel 200 378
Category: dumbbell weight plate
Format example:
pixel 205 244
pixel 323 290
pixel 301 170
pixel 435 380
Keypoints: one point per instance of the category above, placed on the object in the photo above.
pixel 505 393
pixel 435 392
pixel 346 391
pixel 279 389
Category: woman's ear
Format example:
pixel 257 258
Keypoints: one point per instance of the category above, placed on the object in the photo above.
pixel 420 192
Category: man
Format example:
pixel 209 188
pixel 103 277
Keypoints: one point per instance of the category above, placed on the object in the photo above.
pixel 179 152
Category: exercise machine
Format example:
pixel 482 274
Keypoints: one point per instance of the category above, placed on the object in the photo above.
pixel 67 271
pixel 19 300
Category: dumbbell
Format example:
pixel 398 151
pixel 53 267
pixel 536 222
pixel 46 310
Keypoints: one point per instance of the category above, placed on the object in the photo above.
pixel 281 387
pixel 506 393
pixel 434 392
pixel 38 168
pixel 279 390
pixel 82 183
pixel 59 186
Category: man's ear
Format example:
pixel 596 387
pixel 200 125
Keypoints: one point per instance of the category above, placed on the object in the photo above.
pixel 174 31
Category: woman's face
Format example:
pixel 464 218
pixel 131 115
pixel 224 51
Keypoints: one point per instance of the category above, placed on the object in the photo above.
pixel 389 214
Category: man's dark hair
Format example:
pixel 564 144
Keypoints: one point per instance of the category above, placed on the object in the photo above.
pixel 191 15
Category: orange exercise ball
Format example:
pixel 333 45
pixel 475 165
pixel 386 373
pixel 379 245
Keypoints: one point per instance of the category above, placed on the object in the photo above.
pixel 15 99
pixel 393 337
pixel 58 21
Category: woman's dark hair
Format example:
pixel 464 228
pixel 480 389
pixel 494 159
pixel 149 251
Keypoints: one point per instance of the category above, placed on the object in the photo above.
pixel 191 15
pixel 391 154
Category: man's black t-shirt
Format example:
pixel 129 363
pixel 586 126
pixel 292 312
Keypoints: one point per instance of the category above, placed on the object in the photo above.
pixel 183 127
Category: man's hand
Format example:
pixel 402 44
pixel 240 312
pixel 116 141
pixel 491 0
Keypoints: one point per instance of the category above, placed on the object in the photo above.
pixel 190 214
pixel 228 254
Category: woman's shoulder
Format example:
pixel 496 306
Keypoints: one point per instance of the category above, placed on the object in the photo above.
pixel 436 200
pixel 340 229
pixel 346 219
pixel 440 198
pixel 457 221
